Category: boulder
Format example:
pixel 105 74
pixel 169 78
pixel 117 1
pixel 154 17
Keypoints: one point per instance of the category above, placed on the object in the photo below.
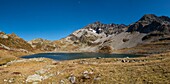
pixel 34 77
pixel 72 79
pixel 105 49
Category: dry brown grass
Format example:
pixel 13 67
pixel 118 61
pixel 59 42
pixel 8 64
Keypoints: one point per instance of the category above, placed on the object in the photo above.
pixel 16 43
pixel 23 68
pixel 7 56
pixel 153 69
pixel 148 48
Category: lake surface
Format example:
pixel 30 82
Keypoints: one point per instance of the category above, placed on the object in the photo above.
pixel 72 56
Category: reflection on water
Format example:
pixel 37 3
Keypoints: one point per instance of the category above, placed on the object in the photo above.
pixel 72 56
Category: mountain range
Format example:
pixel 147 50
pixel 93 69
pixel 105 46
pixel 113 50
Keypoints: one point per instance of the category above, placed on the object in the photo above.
pixel 97 37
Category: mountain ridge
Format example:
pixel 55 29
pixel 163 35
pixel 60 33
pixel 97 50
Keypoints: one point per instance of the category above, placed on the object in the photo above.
pixel 96 36
pixel 99 37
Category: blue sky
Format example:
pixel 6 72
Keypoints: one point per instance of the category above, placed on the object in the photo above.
pixel 55 19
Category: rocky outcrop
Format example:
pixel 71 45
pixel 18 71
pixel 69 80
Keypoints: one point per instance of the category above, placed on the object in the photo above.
pixel 3 35
pixel 95 31
pixel 92 35
pixel 108 29
pixel 14 43
pixel 42 44
pixel 105 49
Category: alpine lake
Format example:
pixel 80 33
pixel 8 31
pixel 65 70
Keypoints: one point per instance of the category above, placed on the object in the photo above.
pixel 72 56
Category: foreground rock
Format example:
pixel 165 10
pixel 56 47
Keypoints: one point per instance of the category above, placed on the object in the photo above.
pixel 33 78
pixel 72 79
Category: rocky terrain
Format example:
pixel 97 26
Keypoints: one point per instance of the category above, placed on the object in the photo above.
pixel 12 46
pixel 42 44
pixel 14 43
pixel 98 37
pixel 149 36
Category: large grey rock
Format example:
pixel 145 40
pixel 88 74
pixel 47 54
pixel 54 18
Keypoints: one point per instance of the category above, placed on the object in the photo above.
pixel 34 77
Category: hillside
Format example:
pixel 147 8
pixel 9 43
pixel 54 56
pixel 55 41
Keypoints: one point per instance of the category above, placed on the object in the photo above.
pixel 14 43
pixel 42 44
pixel 12 46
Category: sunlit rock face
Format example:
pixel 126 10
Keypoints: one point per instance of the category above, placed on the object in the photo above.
pixel 96 36
pixel 96 32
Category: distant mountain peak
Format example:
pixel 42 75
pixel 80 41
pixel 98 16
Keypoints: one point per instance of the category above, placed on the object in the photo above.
pixel 151 23
pixel 149 17
pixel 13 35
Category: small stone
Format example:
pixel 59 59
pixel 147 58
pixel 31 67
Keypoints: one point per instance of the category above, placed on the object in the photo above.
pixel 11 80
pixel 62 82
pixel 85 72
pixel 98 57
pixel 97 78
pixel 72 79
pixel 5 80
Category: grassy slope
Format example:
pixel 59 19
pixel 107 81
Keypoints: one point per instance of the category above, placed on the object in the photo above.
pixel 7 56
pixel 153 69
pixel 148 49
pixel 16 43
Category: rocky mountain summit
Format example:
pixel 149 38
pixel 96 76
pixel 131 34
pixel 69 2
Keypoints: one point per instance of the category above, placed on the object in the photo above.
pixel 151 23
pixel 107 37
